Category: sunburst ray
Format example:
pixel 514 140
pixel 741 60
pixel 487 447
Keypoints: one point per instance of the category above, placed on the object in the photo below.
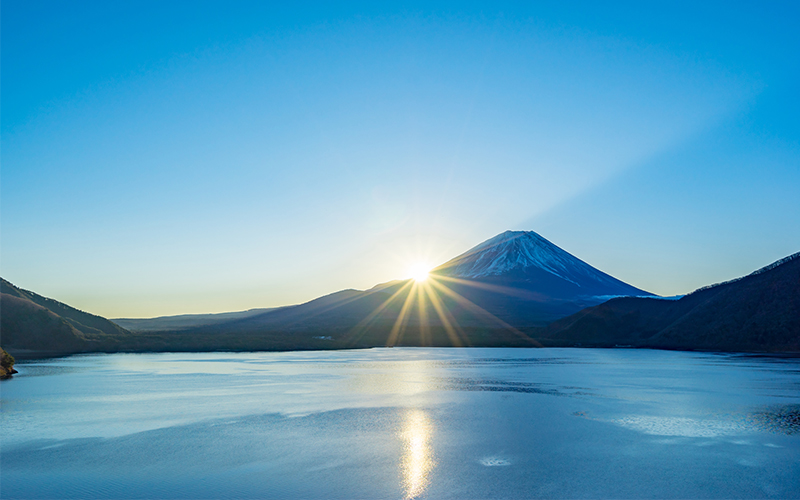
pixel 448 322
pixel 463 301
pixel 337 303
pixel 358 331
pixel 422 312
pixel 400 323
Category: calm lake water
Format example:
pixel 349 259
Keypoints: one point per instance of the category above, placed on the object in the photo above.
pixel 403 423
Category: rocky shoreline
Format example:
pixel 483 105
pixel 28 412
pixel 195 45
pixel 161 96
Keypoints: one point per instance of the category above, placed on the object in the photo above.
pixel 6 364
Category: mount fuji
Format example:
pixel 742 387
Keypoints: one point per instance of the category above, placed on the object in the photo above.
pixel 526 261
pixel 515 281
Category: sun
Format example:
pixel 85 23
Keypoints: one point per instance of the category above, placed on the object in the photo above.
pixel 419 272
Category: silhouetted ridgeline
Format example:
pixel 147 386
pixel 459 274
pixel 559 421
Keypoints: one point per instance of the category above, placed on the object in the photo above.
pixel 34 325
pixel 757 313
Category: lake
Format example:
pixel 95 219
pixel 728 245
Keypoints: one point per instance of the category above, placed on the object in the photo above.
pixel 403 423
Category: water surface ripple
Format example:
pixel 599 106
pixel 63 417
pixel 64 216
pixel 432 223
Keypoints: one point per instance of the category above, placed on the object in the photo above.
pixel 403 423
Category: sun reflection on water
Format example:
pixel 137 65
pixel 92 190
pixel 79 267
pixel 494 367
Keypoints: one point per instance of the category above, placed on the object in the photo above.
pixel 417 462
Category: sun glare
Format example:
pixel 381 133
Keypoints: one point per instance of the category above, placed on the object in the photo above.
pixel 419 272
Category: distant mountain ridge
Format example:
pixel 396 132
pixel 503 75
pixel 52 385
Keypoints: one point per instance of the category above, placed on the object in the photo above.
pixel 184 321
pixel 516 289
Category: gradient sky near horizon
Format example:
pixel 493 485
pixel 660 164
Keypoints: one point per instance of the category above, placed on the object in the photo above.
pixel 189 157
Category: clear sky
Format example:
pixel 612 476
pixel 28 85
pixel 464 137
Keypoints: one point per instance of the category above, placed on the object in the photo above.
pixel 166 157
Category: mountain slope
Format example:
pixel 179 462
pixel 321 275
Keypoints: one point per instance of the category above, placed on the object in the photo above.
pixel 527 280
pixel 533 263
pixel 759 312
pixel 82 321
pixel 30 322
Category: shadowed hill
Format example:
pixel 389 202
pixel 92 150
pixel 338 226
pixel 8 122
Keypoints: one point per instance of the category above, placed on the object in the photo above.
pixel 82 321
pixel 759 312
pixel 30 322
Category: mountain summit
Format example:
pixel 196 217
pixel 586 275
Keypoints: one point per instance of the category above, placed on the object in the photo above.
pixel 524 259
pixel 515 280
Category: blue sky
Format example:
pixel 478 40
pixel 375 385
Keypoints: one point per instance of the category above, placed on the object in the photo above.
pixel 201 157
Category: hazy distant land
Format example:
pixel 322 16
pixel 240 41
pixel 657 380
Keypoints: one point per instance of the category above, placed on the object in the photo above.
pixel 183 321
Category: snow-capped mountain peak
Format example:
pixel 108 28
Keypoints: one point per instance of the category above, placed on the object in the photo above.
pixel 522 253
pixel 510 251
